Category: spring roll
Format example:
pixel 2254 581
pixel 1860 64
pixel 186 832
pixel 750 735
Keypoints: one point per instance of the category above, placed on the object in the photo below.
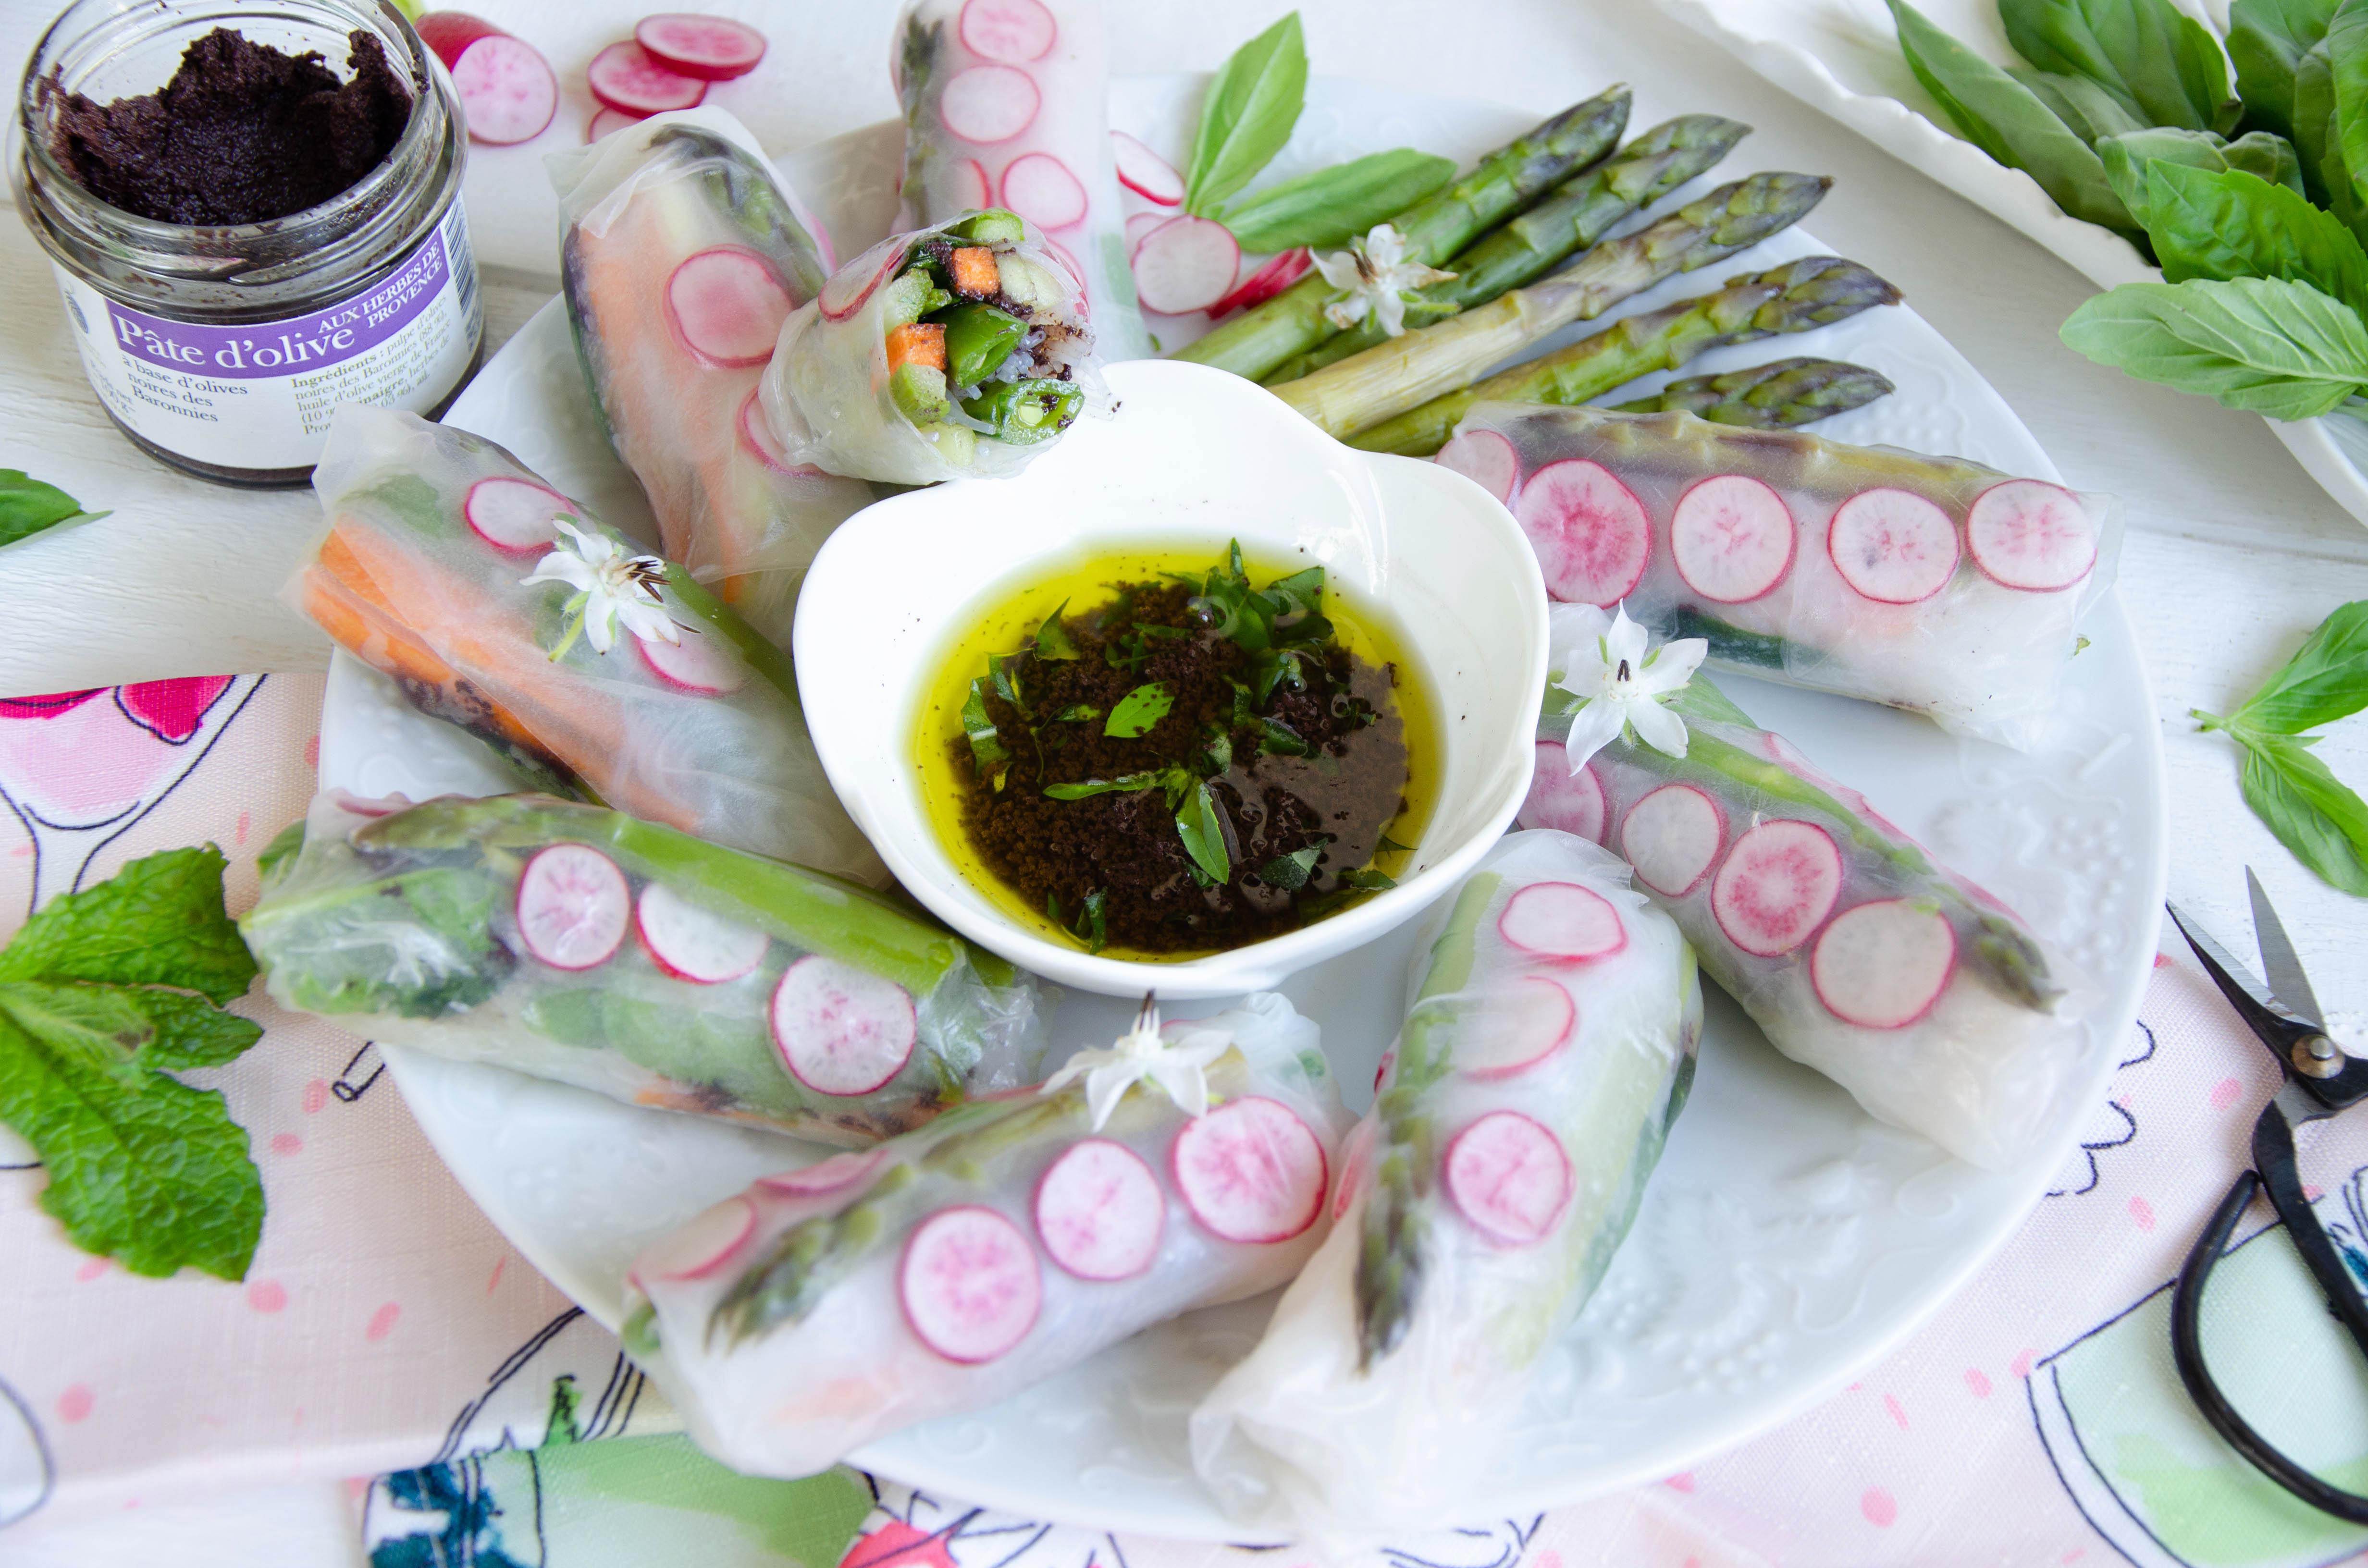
pixel 1005 1241
pixel 681 254
pixel 452 569
pixel 580 945
pixel 1930 584
pixel 1548 1044
pixel 1855 951
pixel 952 351
pixel 1006 104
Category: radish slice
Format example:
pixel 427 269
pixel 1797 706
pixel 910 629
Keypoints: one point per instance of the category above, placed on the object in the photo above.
pixel 2029 534
pixel 1510 1177
pixel 1099 1211
pixel 1516 1029
pixel 844 292
pixel 506 90
pixel 1355 1156
pixel 1145 173
pixel 839 1031
pixel 606 119
pixel 757 435
pixel 1139 226
pixel 834 1175
pixel 1778 883
pixel 1279 273
pixel 1882 965
pixel 515 514
pixel 1672 837
pixel 626 79
pixel 1892 547
pixel 573 906
pixel 1591 534
pixel 967 187
pixel 1013 31
pixel 693 944
pixel 708 1243
pixel 1562 920
pixel 449 34
pixel 713 48
pixel 969 1284
pixel 987 104
pixel 1485 458
pixel 1571 803
pixel 727 306
pixel 1250 1170
pixel 1040 187
pixel 1731 539
pixel 1186 264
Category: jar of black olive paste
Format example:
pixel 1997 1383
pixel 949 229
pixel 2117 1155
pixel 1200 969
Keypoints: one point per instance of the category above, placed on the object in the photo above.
pixel 223 348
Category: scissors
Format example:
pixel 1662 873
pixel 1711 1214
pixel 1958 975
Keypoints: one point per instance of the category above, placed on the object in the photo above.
pixel 2320 1081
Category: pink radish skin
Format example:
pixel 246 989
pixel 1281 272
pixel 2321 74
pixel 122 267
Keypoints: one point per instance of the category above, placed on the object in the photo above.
pixel 1486 458
pixel 1562 920
pixel 1509 1177
pixel 834 1175
pixel 606 121
pixel 1011 31
pixel 1099 1212
pixel 1672 837
pixel 1892 547
pixel 515 515
pixel 713 48
pixel 1592 536
pixel 2031 534
pixel 1279 273
pixel 844 292
pixel 1355 1156
pixel 727 306
pixel 1040 187
pixel 1731 539
pixel 1777 885
pixel 976 190
pixel 693 944
pixel 449 34
pixel 1559 798
pixel 758 436
pixel 1186 264
pixel 1381 1069
pixel 704 1246
pixel 1145 173
pixel 507 89
pixel 987 104
pixel 970 1285
pixel 1250 1171
pixel 839 1031
pixel 626 79
pixel 1140 226
pixel 1527 1022
pixel 1882 965
pixel 574 905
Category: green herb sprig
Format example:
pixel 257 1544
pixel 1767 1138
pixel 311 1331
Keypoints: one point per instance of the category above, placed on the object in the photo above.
pixel 29 506
pixel 2312 812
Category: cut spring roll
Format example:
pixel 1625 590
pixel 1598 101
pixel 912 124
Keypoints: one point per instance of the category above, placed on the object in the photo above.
pixel 433 533
pixel 1930 584
pixel 1547 1047
pixel 681 254
pixel 1856 953
pixel 580 945
pixel 1006 104
pixel 1001 1244
pixel 952 351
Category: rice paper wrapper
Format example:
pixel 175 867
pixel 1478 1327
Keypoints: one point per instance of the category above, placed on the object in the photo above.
pixel 1521 1112
pixel 1005 1241
pixel 681 254
pixel 969 69
pixel 1930 584
pixel 411 924
pixel 704 734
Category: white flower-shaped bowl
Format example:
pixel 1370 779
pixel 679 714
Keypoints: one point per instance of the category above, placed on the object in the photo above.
pixel 1192 456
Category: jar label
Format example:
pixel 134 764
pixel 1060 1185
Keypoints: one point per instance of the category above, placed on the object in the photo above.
pixel 259 395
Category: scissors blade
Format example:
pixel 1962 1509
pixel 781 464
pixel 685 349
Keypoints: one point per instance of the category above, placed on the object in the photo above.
pixel 2247 995
pixel 2288 985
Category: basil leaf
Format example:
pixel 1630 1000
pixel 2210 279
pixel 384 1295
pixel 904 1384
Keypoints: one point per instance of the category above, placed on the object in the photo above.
pixel 1077 713
pixel 2162 63
pixel 1247 116
pixel 1138 711
pixel 986 748
pixel 1291 873
pixel 1125 783
pixel 1281 739
pixel 1004 671
pixel 2258 344
pixel 2267 39
pixel 2308 808
pixel 2088 110
pixel 29 506
pixel 2227 226
pixel 1367 880
pixel 2326 680
pixel 2272 158
pixel 1203 834
pixel 1330 207
pixel 1054 639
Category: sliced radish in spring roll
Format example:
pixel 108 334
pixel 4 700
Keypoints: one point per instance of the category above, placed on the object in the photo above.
pixel 515 514
pixel 1591 534
pixel 695 944
pixel 1485 458
pixel 1560 798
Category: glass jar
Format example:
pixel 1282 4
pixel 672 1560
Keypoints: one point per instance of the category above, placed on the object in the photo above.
pixel 222 350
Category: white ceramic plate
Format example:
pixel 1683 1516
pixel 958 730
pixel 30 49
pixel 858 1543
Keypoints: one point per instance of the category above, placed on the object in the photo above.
pixel 1842 57
pixel 1787 1242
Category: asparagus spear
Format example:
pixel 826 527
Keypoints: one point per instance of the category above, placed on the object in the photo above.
pixel 1406 373
pixel 1794 297
pixel 1774 396
pixel 1576 216
pixel 1503 183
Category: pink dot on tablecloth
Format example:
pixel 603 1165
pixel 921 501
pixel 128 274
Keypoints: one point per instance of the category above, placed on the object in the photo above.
pixel 2143 1212
pixel 499 1264
pixel 1878 1505
pixel 2224 1093
pixel 74 1404
pixel 267 1295
pixel 91 1270
pixel 1549 1557
pixel 1891 1404
pixel 1683 1481
pixel 2021 1367
pixel 1977 1381
pixel 317 1095
pixel 313 752
pixel 382 1322
pixel 287 1143
pixel 243 822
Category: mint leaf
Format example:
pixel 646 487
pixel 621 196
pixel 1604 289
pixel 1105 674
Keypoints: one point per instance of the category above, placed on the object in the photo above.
pixel 2326 680
pixel 29 506
pixel 1329 207
pixel 1138 711
pixel 1125 783
pixel 2256 344
pixel 1204 835
pixel 1291 873
pixel 159 921
pixel 1248 115
pixel 985 749
pixel 1367 880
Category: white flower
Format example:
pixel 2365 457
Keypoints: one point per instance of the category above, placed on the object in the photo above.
pixel 1378 277
pixel 1624 685
pixel 611 588
pixel 1179 1066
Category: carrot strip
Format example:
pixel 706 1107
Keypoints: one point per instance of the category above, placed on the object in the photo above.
pixel 974 272
pixel 919 343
